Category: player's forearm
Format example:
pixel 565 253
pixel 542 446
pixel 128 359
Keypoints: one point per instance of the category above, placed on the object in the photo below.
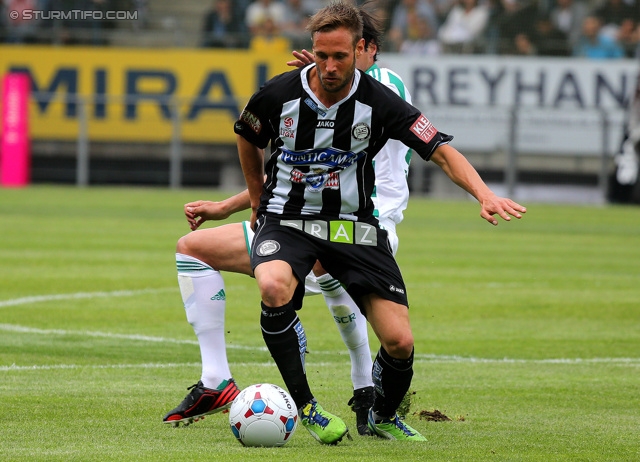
pixel 237 203
pixel 252 163
pixel 461 172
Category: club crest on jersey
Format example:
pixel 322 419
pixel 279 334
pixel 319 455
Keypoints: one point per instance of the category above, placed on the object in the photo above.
pixel 361 131
pixel 251 120
pixel 316 180
pixel 267 248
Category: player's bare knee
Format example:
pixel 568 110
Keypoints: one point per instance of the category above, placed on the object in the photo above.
pixel 182 245
pixel 274 291
pixel 400 346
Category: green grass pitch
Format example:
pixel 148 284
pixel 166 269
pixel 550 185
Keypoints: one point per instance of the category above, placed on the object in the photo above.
pixel 527 334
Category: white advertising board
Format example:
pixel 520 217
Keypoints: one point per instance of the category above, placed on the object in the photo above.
pixel 562 106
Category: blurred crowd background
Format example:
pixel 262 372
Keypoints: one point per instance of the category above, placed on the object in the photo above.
pixel 598 29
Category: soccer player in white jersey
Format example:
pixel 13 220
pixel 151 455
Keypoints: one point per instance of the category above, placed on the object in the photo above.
pixel 203 254
pixel 325 124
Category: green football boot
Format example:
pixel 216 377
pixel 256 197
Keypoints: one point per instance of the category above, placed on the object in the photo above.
pixel 323 426
pixel 393 429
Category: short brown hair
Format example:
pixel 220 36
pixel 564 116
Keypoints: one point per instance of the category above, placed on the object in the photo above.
pixel 336 15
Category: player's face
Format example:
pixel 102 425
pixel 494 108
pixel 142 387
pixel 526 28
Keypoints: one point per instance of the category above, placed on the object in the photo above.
pixel 335 59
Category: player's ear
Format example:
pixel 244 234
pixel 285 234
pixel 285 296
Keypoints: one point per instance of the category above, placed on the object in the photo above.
pixel 360 47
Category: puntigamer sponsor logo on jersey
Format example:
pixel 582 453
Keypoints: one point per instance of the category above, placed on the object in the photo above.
pixel 331 157
pixel 251 120
pixel 424 129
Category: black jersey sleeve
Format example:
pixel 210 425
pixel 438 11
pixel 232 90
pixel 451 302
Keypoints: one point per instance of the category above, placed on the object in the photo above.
pixel 258 120
pixel 253 124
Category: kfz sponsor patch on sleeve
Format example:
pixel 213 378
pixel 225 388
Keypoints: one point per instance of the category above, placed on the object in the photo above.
pixel 424 129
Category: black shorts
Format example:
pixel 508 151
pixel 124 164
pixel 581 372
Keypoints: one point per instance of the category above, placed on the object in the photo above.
pixel 355 253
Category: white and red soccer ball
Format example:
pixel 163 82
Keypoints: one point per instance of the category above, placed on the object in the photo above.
pixel 263 415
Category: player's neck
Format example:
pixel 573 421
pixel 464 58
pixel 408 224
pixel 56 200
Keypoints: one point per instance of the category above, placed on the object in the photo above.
pixel 325 97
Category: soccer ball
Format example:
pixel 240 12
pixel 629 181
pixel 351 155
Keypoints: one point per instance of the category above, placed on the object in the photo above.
pixel 263 415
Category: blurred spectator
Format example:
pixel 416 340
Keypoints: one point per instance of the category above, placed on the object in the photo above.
pixel 492 30
pixel 613 13
pixel 592 43
pixel 76 30
pixel 259 10
pixel 549 40
pixel 268 39
pixel 513 18
pixel 403 22
pixel 18 29
pixel 568 16
pixel 626 35
pixel 636 34
pixel 223 29
pixel 295 23
pixel 463 27
pixel 523 45
pixel 543 40
pixel 142 9
pixel 424 43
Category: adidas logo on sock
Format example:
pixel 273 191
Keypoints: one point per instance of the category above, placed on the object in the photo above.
pixel 220 295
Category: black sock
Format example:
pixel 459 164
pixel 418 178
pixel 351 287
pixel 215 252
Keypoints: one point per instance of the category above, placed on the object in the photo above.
pixel 286 340
pixel 391 379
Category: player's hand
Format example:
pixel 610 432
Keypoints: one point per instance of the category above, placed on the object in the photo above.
pixel 200 211
pixel 253 219
pixel 501 206
pixel 303 58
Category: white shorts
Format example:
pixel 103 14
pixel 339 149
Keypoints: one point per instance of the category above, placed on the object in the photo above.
pixel 311 285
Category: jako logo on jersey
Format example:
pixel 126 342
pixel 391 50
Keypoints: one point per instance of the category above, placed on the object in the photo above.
pixel 424 129
pixel 251 120
pixel 330 157
pixel 316 180
pixel 361 131
pixel 326 124
pixel 267 248
pixel 396 289
pixel 220 295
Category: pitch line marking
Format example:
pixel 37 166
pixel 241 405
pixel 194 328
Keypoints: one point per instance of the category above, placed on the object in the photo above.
pixel 135 337
pixel 79 295
pixel 419 358
pixel 16 368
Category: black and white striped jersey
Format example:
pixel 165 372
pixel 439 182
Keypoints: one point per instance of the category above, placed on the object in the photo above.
pixel 320 163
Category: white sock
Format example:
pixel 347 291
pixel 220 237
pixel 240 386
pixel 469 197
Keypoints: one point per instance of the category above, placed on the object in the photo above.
pixel 352 326
pixel 204 299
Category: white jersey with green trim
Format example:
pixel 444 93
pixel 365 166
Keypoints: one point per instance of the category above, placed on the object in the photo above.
pixel 391 164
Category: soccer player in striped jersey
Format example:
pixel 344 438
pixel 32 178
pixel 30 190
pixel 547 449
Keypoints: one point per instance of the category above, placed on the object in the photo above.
pixel 203 254
pixel 326 123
